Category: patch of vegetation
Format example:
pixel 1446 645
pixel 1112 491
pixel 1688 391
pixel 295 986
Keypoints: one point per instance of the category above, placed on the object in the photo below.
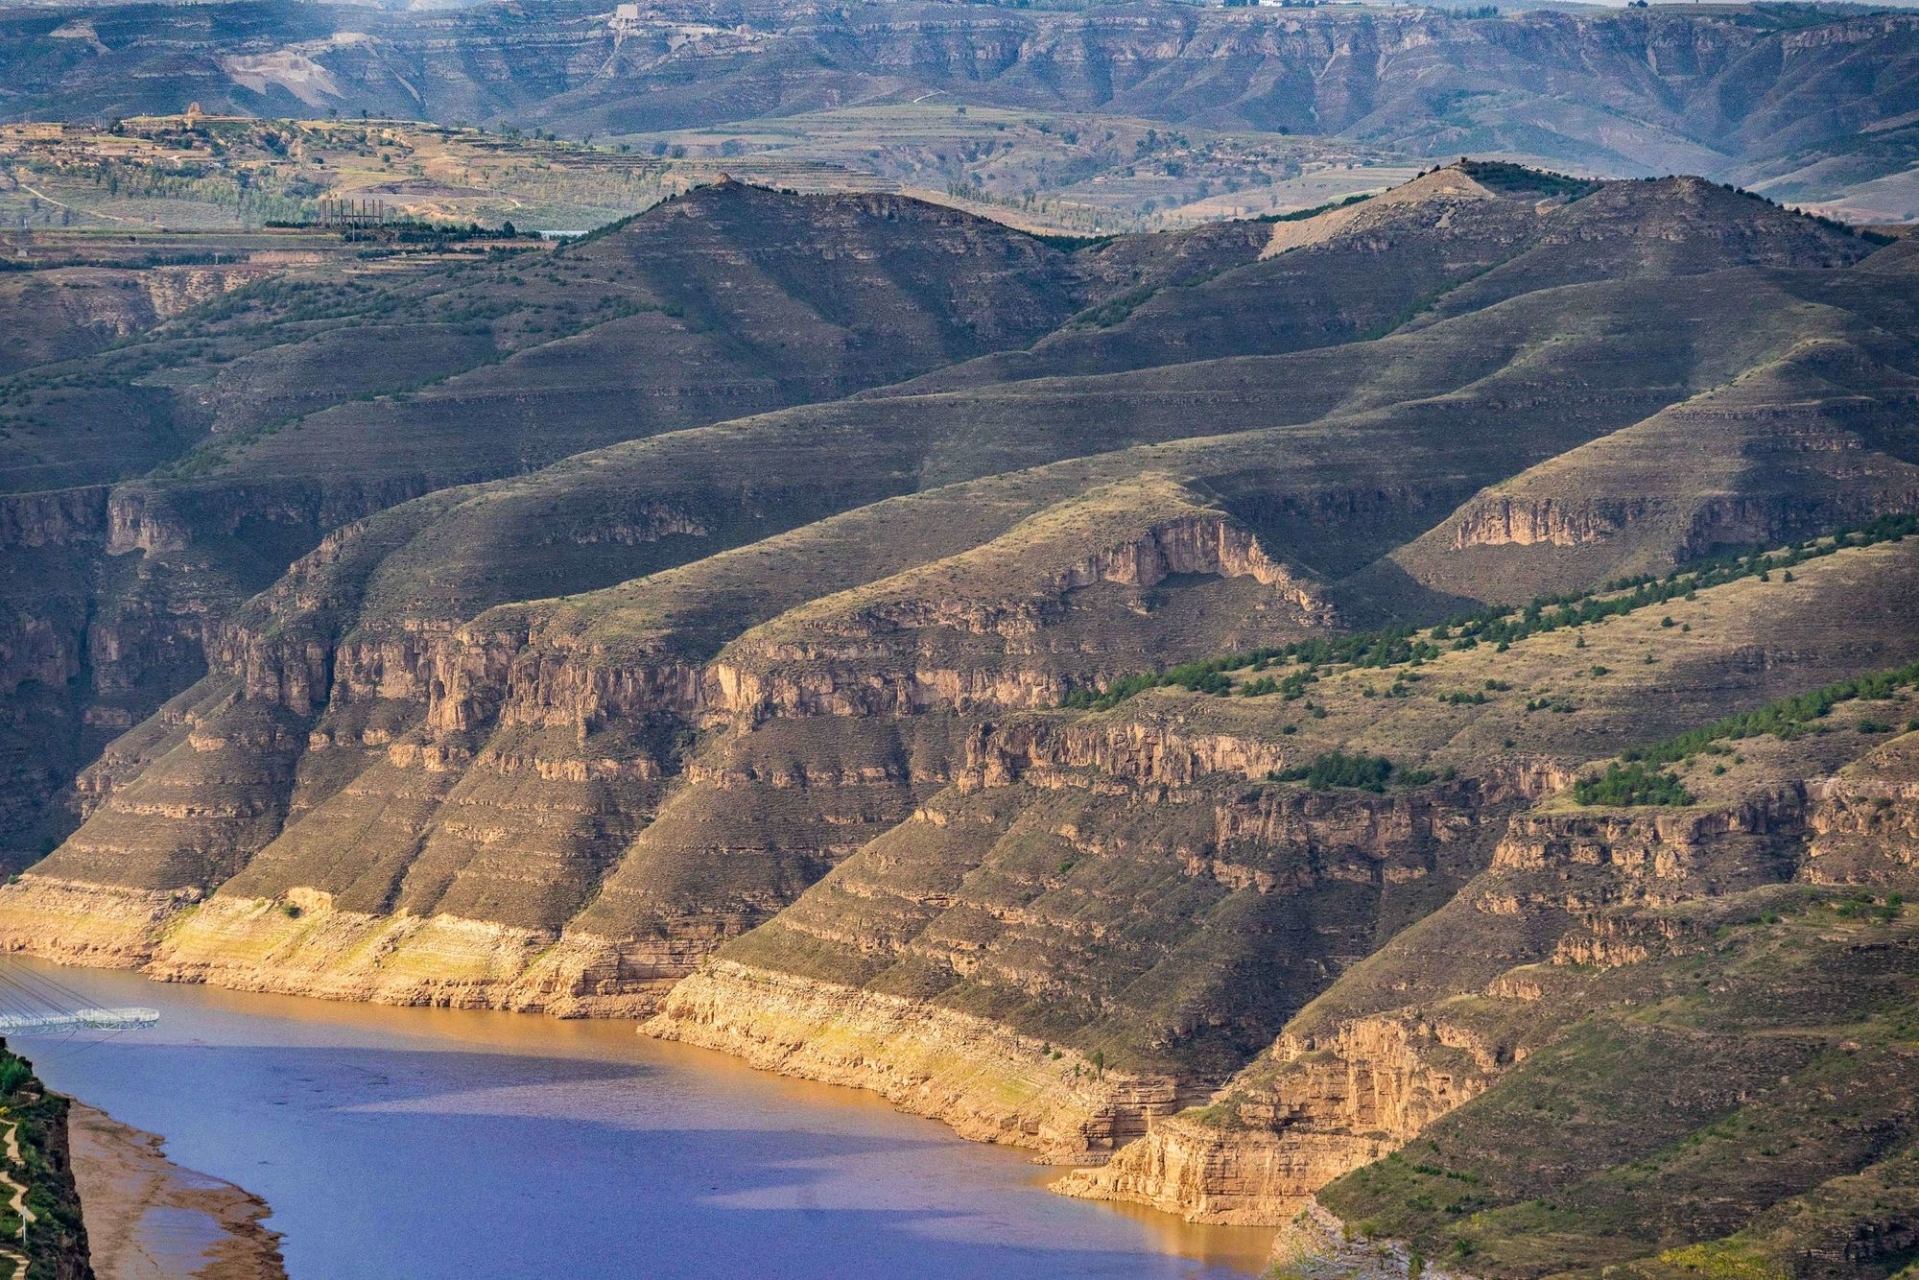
pixel 1115 309
pixel 1337 769
pixel 39 1121
pixel 1499 175
pixel 1631 784
pixel 1405 645
pixel 1300 215
pixel 1784 719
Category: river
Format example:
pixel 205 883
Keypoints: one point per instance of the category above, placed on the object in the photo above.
pixel 421 1143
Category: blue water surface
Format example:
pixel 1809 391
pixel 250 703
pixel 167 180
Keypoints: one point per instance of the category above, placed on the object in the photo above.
pixel 420 1144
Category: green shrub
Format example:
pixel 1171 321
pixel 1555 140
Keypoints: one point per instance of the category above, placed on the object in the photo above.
pixel 15 1072
pixel 1337 769
pixel 1785 719
pixel 1631 784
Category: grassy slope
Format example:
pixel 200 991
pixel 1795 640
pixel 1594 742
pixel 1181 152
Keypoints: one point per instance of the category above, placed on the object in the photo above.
pixel 1444 404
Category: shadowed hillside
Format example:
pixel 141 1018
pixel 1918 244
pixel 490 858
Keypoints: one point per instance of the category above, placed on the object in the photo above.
pixel 286 408
pixel 1117 697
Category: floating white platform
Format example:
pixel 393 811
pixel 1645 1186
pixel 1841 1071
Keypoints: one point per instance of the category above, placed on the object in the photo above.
pixel 85 1020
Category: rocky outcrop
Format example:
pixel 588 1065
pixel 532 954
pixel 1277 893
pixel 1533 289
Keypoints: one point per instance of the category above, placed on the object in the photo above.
pixel 988 1083
pixel 1211 545
pixel 1316 1244
pixel 173 290
pixel 1655 857
pixel 1864 823
pixel 1050 753
pixel 994 895
pixel 1611 940
pixel 1327 1106
pixel 1565 887
pixel 85 923
pixel 1707 527
pixel 61 518
pixel 1513 521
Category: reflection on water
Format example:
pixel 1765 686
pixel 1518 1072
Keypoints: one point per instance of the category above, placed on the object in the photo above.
pixel 440 1143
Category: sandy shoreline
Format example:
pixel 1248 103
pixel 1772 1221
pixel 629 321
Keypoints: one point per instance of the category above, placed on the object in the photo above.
pixel 150 1219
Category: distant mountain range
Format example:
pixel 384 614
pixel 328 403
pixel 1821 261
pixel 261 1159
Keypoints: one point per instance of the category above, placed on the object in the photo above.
pixel 1822 102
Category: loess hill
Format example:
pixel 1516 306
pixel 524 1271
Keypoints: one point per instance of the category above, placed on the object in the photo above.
pixel 804 622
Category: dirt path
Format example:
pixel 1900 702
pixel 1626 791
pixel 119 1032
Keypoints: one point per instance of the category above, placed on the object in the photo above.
pixel 18 1202
pixel 149 1219
pixel 90 213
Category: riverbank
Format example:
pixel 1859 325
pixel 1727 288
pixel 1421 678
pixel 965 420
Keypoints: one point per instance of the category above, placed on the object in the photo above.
pixel 456 1144
pixel 150 1219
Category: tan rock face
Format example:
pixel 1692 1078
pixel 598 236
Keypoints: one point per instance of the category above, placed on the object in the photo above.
pixel 1662 859
pixel 1864 823
pixel 1001 892
pixel 1337 1103
pixel 1524 521
pixel 989 1083
pixel 172 290
pixel 1510 521
pixel 65 517
pixel 1365 1069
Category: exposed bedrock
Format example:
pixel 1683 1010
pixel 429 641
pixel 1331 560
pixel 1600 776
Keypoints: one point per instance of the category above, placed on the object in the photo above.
pixel 1341 1101
pixel 1342 1086
pixel 985 1080
pixel 1031 889
pixel 334 811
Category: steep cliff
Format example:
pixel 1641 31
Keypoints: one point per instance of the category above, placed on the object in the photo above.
pixel 304 402
pixel 1128 884
pixel 1146 766
pixel 1601 951
pixel 41 1217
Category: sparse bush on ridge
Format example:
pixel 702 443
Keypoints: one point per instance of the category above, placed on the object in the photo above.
pixel 1337 769
pixel 1395 646
pixel 1631 784
pixel 1785 719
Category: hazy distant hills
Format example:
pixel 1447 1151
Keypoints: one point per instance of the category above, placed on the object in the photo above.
pixel 1751 91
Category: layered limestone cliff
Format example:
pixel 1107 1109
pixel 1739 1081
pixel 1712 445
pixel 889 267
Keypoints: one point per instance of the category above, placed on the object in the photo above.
pixel 1000 894
pixel 986 1081
pixel 508 811
pixel 1347 1084
pixel 1864 823
pixel 1503 521
pixel 1336 1102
